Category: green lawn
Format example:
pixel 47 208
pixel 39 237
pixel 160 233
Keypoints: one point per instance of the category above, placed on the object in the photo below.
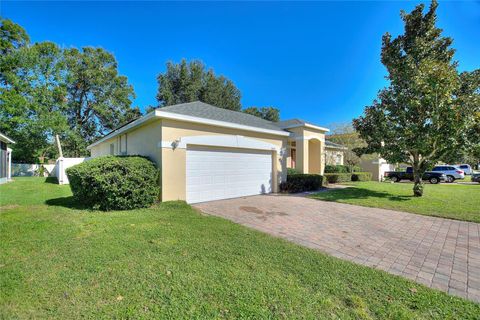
pixel 455 201
pixel 170 261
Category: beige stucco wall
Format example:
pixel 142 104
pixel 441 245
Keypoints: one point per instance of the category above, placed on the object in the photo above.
pixel 174 160
pixel 371 164
pixel 142 140
pixel 309 151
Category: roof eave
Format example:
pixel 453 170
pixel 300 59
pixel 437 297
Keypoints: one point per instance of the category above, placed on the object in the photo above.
pixel 180 117
pixel 306 125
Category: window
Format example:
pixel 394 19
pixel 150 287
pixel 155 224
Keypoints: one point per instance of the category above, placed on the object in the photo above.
pixel 112 149
pixel 339 159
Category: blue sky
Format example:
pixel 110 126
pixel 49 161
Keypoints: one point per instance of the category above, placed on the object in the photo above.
pixel 319 61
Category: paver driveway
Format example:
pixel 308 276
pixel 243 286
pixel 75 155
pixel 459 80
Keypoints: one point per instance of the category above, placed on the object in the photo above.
pixel 440 253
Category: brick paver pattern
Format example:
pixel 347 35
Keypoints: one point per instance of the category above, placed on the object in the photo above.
pixel 440 253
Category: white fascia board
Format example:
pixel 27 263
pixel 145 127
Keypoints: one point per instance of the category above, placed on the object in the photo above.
pixel 306 125
pixel 6 139
pixel 217 123
pixel 129 126
pixel 228 141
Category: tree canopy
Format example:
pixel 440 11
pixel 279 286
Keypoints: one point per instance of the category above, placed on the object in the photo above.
pixel 428 108
pixel 191 81
pixel 267 113
pixel 46 90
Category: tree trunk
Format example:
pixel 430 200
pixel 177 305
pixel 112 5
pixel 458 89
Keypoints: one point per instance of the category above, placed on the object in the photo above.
pixel 417 179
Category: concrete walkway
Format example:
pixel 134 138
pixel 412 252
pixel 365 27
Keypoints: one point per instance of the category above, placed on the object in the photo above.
pixel 439 253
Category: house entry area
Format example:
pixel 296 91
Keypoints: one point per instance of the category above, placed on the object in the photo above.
pixel 221 173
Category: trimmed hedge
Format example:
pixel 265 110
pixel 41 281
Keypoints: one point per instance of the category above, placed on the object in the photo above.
pixel 292 171
pixel 338 177
pixel 347 177
pixel 336 168
pixel 362 176
pixel 341 169
pixel 301 182
pixel 115 182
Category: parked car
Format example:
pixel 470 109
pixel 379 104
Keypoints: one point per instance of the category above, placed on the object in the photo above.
pixel 466 168
pixel 397 176
pixel 451 172
pixel 476 177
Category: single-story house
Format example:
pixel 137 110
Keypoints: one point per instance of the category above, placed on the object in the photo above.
pixel 207 153
pixel 334 153
pixel 5 158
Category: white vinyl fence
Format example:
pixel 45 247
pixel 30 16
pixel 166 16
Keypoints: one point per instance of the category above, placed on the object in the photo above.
pixel 62 164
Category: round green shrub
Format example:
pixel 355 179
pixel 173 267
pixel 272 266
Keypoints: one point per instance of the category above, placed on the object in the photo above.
pixel 115 182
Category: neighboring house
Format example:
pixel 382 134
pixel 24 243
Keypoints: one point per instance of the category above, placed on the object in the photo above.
pixel 334 153
pixel 207 153
pixel 5 158
pixel 376 165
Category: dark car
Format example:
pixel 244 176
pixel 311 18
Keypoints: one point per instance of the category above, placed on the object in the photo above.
pixel 476 177
pixel 433 177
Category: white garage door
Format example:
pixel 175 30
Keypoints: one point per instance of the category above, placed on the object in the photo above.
pixel 214 174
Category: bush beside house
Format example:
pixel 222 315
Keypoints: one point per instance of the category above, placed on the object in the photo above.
pixel 301 182
pixel 341 169
pixel 115 182
pixel 347 177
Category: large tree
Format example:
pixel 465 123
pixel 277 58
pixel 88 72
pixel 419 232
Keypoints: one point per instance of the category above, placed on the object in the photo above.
pixel 423 113
pixel 98 97
pixel 46 90
pixel 191 81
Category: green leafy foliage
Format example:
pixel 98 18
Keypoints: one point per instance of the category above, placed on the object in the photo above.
pixel 267 113
pixel 336 168
pixel 292 171
pixel 191 81
pixel 361 176
pixel 424 113
pixel 338 177
pixel 115 182
pixel 301 182
pixel 46 90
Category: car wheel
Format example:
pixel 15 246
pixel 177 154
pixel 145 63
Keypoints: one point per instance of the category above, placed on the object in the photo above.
pixel 395 179
pixel 450 179
pixel 434 180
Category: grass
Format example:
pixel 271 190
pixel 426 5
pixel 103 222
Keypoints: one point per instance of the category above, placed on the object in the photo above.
pixel 454 201
pixel 170 261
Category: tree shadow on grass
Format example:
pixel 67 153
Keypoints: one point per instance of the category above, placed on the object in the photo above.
pixel 358 193
pixel 52 180
pixel 66 202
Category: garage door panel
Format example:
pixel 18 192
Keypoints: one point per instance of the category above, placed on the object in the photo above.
pixel 214 174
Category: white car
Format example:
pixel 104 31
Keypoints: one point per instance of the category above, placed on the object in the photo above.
pixel 450 171
pixel 466 168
